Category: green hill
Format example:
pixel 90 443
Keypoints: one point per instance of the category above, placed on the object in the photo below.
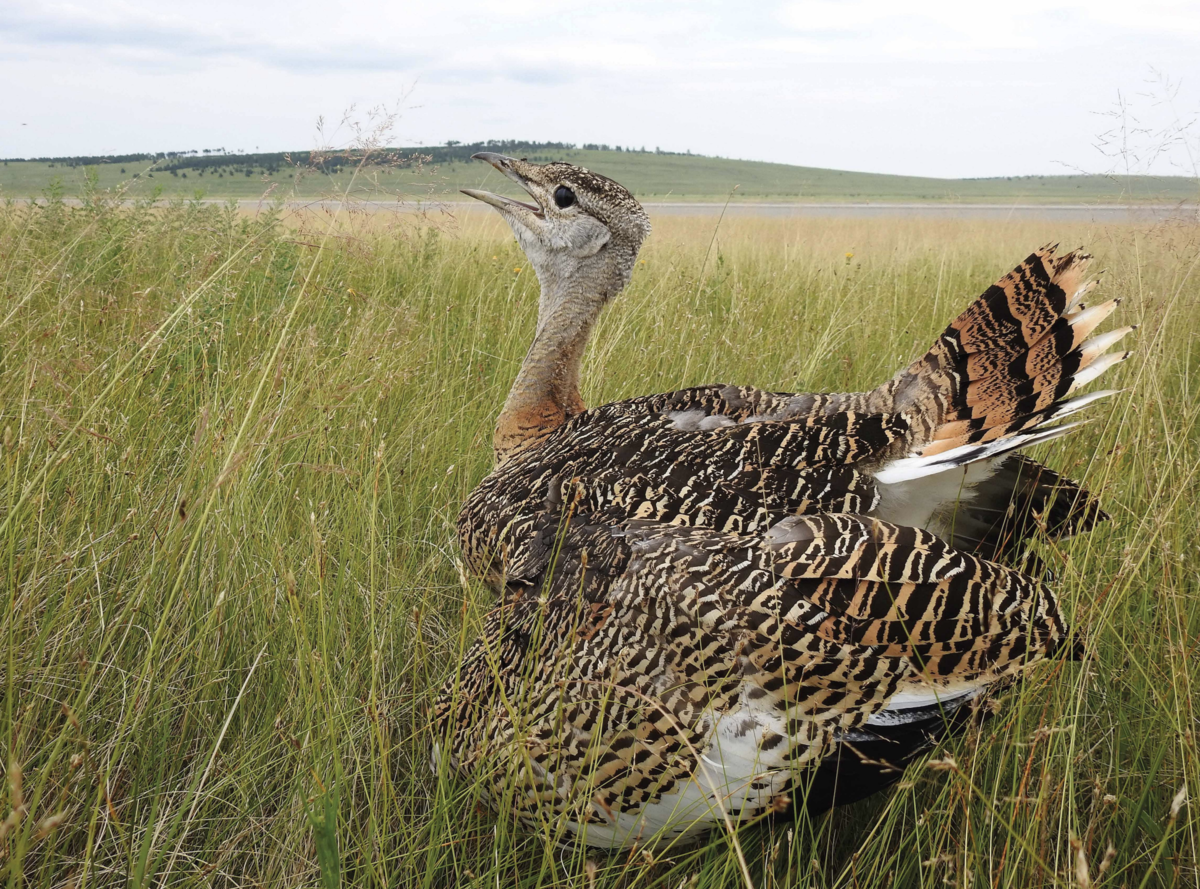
pixel 439 172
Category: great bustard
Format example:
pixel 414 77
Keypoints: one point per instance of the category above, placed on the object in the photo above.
pixel 718 596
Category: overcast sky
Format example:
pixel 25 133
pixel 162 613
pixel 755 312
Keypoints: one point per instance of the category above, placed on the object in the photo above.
pixel 954 88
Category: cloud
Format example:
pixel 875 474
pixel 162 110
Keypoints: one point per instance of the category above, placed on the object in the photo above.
pixel 865 84
pixel 164 40
pixel 143 39
pixel 950 30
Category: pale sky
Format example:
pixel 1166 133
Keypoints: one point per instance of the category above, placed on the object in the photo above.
pixel 938 88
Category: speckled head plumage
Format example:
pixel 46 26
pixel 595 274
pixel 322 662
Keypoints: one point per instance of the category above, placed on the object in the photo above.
pixel 601 197
pixel 582 231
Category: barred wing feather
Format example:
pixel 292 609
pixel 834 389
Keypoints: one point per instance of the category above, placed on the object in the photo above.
pixel 666 678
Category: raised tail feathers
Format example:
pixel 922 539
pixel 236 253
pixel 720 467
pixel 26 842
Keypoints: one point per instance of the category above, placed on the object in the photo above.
pixel 1002 377
pixel 1004 370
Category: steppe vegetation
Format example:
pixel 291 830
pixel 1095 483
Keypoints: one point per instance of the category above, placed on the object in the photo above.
pixel 233 450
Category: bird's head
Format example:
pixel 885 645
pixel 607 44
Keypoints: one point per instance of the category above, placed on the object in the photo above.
pixel 581 231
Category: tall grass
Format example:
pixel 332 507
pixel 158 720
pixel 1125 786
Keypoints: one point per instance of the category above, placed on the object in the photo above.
pixel 233 451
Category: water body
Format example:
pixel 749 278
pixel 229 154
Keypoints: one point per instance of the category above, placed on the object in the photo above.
pixel 1097 213
pixel 1134 214
pixel 1093 213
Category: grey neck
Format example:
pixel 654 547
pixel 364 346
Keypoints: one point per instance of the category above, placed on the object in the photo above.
pixel 545 393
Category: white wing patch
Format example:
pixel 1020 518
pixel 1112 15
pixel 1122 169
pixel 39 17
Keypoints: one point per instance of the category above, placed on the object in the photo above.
pixel 930 502
pixel 911 706
pixel 734 780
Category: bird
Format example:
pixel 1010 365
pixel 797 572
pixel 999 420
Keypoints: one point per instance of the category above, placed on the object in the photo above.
pixel 717 600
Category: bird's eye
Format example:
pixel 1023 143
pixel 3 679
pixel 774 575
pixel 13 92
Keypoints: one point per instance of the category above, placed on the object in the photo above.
pixel 563 197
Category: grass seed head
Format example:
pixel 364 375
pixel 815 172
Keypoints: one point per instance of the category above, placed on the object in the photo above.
pixel 1083 878
pixel 1178 802
pixel 49 824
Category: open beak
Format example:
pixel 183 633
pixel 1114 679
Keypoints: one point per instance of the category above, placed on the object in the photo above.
pixel 509 167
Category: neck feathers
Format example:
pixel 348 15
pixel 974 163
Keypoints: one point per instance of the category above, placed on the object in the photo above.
pixel 546 392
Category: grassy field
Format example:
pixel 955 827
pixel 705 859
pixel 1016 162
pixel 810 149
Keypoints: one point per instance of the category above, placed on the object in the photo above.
pixel 233 450
pixel 650 176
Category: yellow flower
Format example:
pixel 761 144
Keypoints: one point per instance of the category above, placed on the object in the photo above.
pixel 517 270
pixel 849 255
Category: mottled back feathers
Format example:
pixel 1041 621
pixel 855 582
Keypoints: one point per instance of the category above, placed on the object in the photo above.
pixel 608 682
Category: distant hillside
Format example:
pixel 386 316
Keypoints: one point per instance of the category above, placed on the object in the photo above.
pixel 438 172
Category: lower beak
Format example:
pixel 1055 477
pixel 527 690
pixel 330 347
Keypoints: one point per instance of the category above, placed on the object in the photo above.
pixel 500 202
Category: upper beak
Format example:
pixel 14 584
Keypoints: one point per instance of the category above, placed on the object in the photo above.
pixel 499 161
pixel 509 167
